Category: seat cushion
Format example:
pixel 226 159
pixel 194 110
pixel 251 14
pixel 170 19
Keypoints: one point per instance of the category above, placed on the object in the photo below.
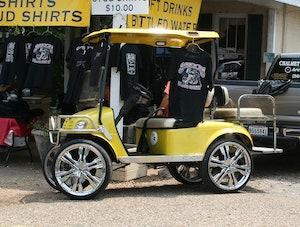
pixel 226 113
pixel 156 123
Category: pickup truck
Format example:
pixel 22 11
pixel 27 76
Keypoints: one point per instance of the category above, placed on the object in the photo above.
pixel 284 67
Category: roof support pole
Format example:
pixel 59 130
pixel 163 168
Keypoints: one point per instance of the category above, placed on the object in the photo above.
pixel 115 99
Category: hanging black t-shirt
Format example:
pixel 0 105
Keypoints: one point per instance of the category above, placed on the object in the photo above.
pixel 8 72
pixel 14 64
pixel 97 60
pixel 44 59
pixel 130 68
pixel 27 42
pixel 78 61
pixel 79 54
pixel 191 78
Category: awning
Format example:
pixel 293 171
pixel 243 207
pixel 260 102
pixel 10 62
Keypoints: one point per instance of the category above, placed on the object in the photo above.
pixel 290 2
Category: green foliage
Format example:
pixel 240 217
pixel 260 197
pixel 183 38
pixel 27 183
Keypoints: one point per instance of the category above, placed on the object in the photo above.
pixel 42 126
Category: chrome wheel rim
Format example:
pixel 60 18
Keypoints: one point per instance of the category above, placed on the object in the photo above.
pixel 229 166
pixel 80 169
pixel 190 173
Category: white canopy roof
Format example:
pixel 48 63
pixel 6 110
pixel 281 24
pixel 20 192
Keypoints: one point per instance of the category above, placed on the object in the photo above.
pixel 266 3
pixel 290 2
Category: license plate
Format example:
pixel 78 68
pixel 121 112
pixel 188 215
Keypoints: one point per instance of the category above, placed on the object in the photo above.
pixel 258 130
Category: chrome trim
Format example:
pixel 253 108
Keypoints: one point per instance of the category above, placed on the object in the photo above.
pixel 54 123
pixel 267 150
pixel 161 159
pixel 51 133
pixel 229 166
pixel 285 132
pixel 80 176
pixel 66 117
pixel 271 118
pixel 55 127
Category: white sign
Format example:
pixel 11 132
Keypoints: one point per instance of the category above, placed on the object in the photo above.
pixel 112 7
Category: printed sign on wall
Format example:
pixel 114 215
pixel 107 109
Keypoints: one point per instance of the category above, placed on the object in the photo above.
pixel 169 14
pixel 45 13
pixel 112 7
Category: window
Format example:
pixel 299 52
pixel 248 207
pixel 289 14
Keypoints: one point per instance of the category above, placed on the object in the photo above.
pixel 232 48
pixel 233 70
pixel 285 68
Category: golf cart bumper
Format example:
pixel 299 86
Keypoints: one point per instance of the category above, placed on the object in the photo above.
pixel 74 124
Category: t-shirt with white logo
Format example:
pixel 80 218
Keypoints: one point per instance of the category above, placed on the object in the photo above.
pixel 44 57
pixel 190 74
pixel 130 67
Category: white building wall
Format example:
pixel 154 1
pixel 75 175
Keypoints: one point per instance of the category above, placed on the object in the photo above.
pixel 286 30
pixel 291 35
pixel 279 28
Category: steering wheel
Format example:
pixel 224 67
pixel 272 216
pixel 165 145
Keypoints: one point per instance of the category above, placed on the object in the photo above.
pixel 142 91
pixel 140 95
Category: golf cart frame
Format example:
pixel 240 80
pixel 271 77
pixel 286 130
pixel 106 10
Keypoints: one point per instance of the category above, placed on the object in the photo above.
pixel 214 152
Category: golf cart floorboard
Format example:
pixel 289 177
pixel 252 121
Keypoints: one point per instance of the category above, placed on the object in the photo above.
pixel 266 150
pixel 144 158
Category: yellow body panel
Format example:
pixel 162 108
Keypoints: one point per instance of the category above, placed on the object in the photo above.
pixel 152 37
pixel 108 122
pixel 186 141
pixel 189 141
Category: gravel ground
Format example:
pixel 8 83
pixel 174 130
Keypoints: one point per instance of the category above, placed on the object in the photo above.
pixel 272 198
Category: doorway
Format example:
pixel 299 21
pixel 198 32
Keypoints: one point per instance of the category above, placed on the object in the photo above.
pixel 232 46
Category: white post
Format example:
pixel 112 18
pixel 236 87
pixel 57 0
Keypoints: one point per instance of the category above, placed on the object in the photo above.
pixel 115 99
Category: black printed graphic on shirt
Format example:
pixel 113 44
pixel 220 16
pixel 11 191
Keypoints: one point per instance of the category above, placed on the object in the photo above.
pixel 131 63
pixel 10 52
pixel 191 74
pixel 42 53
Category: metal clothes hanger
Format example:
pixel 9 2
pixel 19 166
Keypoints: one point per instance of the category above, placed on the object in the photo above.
pixel 193 44
pixel 87 32
pixel 23 30
pixel 47 31
pixel 17 31
pixel 33 31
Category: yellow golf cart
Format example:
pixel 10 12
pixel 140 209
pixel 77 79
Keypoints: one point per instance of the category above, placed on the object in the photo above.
pixel 216 153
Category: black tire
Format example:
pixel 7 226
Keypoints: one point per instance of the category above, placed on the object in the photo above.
pixel 211 182
pixel 104 156
pixel 47 167
pixel 173 169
